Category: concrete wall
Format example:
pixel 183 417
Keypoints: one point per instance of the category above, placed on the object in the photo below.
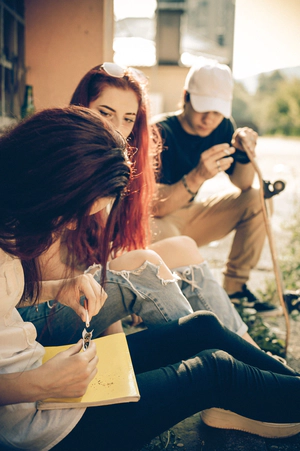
pixel 167 82
pixel 64 39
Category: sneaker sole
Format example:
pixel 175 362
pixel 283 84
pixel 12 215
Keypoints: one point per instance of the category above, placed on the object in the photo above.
pixel 269 313
pixel 225 419
pixel 277 311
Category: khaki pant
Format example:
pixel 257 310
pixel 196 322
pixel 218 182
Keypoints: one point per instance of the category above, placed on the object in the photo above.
pixel 215 217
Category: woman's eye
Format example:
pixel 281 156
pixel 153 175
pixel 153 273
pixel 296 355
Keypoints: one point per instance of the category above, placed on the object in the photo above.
pixel 130 121
pixel 105 113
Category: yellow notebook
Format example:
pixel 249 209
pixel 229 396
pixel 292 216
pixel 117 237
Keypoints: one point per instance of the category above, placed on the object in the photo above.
pixel 114 382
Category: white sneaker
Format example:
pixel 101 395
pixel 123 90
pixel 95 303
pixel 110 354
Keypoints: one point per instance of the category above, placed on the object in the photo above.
pixel 225 419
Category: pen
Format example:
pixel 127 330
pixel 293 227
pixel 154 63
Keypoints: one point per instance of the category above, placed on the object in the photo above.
pixel 87 318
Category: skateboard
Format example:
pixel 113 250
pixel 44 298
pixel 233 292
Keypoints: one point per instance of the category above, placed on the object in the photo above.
pixel 268 190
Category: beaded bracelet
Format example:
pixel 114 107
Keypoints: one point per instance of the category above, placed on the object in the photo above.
pixel 192 193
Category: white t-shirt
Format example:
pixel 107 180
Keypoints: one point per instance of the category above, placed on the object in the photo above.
pixel 22 426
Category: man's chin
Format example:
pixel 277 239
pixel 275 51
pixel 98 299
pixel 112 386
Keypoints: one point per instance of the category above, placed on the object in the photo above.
pixel 203 132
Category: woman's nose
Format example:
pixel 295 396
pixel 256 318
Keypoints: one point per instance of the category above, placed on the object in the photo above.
pixel 116 123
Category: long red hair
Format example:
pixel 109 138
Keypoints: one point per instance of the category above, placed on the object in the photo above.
pixel 133 232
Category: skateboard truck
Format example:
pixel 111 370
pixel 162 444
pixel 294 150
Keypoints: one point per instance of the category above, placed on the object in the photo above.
pixel 271 189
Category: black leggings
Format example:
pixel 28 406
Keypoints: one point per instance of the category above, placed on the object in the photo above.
pixel 182 368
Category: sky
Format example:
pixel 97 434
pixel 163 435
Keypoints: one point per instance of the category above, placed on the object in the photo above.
pixel 266 33
pixel 266 36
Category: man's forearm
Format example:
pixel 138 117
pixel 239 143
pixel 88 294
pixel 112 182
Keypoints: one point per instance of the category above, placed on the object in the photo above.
pixel 243 176
pixel 172 197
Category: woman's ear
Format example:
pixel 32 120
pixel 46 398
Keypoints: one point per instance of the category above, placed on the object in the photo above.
pixel 100 204
pixel 72 225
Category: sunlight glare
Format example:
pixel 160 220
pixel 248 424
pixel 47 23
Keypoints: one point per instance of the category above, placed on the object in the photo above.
pixel 129 8
pixel 134 52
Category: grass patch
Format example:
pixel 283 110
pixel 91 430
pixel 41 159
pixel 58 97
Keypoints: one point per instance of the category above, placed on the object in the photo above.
pixel 260 330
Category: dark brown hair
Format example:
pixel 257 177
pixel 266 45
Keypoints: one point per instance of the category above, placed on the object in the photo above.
pixel 53 166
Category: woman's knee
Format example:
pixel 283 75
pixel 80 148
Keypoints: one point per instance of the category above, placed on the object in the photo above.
pixel 178 251
pixel 221 364
pixel 204 321
pixel 181 242
pixel 135 259
pixel 185 245
pixel 218 367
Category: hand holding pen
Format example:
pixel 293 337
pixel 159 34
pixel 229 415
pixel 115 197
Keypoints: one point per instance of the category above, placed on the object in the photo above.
pixel 69 292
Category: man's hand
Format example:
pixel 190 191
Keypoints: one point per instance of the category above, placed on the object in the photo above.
pixel 214 160
pixel 245 139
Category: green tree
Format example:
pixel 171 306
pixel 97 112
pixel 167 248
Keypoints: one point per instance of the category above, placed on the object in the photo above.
pixel 242 107
pixel 283 115
pixel 268 83
pixel 275 107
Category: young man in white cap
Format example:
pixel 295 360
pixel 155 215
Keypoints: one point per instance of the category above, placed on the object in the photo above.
pixel 198 143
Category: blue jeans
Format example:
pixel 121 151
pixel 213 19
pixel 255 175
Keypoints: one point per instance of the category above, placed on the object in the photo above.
pixel 143 292
pixel 182 368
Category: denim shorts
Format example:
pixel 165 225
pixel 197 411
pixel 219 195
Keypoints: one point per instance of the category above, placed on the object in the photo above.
pixel 141 291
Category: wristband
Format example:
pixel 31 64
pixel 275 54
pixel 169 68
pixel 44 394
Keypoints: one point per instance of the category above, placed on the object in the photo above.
pixel 192 193
pixel 240 156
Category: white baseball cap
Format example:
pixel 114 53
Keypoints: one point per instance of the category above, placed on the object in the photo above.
pixel 210 85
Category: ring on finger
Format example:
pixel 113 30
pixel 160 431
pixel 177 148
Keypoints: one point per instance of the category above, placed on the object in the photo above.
pixel 219 165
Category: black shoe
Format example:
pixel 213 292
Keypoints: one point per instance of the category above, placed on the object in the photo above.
pixel 247 299
pixel 292 300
